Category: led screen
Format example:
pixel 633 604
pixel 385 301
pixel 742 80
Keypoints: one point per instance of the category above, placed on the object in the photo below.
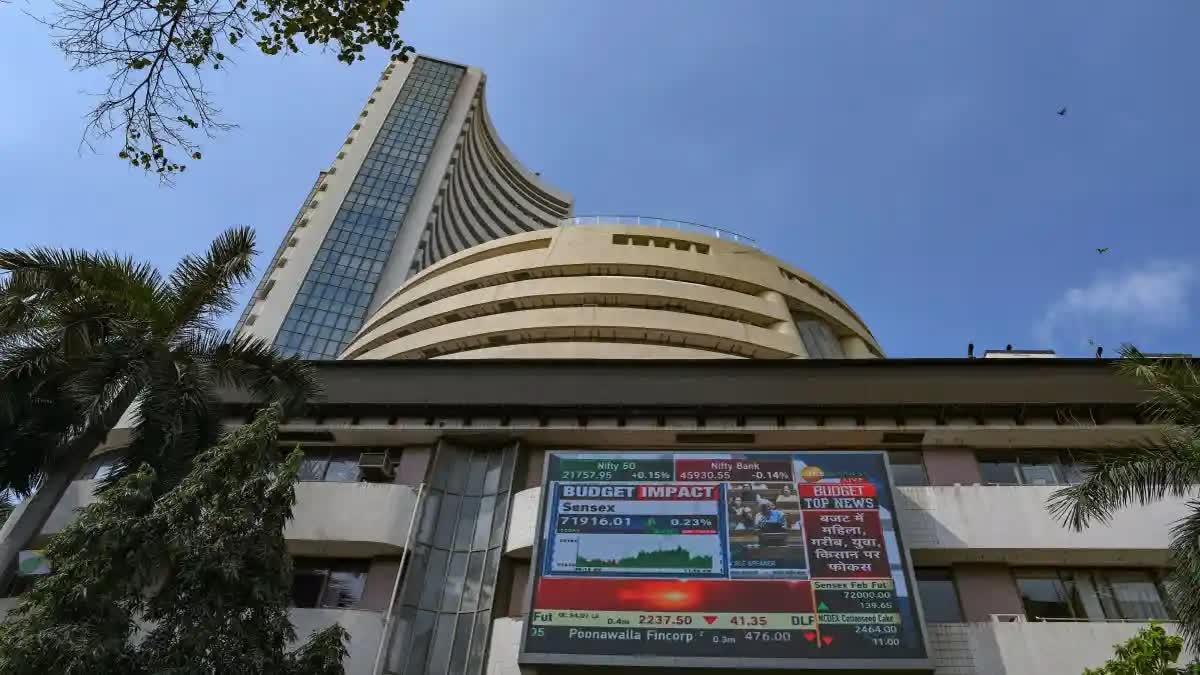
pixel 757 559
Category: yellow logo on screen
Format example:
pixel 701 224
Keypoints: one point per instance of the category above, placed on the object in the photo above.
pixel 812 474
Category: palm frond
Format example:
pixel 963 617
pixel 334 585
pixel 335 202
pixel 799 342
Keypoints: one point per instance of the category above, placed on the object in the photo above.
pixel 59 278
pixel 250 363
pixel 203 286
pixel 1172 383
pixel 1141 476
pixel 1184 576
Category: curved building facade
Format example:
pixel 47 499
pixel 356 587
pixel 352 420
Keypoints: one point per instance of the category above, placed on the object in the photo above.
pixel 421 175
pixel 485 195
pixel 609 289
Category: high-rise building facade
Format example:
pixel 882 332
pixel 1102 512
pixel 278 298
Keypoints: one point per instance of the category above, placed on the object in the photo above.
pixel 421 175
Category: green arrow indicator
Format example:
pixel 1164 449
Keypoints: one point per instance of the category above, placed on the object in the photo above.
pixel 822 607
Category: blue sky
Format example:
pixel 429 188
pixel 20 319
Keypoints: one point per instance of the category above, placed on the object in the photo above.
pixel 906 153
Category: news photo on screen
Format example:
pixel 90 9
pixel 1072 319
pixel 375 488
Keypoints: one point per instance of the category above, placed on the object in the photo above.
pixel 756 559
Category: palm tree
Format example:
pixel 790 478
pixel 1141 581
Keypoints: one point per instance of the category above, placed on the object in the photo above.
pixel 84 336
pixel 1169 467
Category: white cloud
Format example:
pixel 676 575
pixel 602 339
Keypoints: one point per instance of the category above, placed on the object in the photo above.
pixel 1154 295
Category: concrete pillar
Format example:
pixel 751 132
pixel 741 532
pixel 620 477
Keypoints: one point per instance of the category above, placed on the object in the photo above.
pixel 535 462
pixel 413 464
pixel 855 347
pixel 952 466
pixel 381 579
pixel 986 589
pixel 520 586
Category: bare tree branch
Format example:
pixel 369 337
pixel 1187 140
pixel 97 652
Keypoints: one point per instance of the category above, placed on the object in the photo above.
pixel 155 52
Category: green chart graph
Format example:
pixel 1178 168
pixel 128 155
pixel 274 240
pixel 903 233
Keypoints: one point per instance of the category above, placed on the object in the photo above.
pixel 673 558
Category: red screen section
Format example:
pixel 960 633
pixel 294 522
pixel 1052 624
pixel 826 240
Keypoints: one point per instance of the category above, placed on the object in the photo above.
pixel 673 595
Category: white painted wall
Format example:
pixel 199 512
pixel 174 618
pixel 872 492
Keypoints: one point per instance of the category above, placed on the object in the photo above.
pixel 344 519
pixel 350 519
pixel 506 647
pixel 1015 517
pixel 1026 648
pixel 522 523
pixel 364 628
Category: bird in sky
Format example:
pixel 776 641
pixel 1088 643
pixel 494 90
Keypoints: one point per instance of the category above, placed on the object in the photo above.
pixel 1102 251
pixel 1062 111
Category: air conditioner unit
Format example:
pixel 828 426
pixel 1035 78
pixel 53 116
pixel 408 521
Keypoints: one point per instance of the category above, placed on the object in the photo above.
pixel 376 467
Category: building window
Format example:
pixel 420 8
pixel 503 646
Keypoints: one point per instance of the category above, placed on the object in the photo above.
pixel 328 583
pixel 908 467
pixel 817 336
pixel 939 595
pixel 444 612
pixel 1029 468
pixel 100 466
pixel 334 465
pixel 1092 595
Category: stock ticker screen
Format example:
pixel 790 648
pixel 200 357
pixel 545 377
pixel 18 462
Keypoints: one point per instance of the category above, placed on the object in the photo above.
pixel 786 557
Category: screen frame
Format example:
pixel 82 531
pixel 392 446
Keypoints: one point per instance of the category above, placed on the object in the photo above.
pixel 897 665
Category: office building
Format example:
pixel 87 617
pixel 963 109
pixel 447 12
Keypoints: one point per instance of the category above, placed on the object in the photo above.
pixel 488 338
pixel 976 447
pixel 422 174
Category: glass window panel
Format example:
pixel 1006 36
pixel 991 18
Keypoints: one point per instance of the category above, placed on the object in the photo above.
pixel 470 600
pixel 462 643
pixel 479 462
pixel 491 481
pixel 1085 595
pixel 414 575
pixel 499 518
pixel 343 467
pixel 306 587
pixel 401 638
pixel 479 642
pixel 456 481
pixel 483 524
pixel 1039 470
pixel 939 596
pixel 454 582
pixel 506 468
pixel 421 637
pixel 344 587
pixel 487 588
pixel 465 534
pixel 313 466
pixel 999 470
pixel 106 467
pixel 429 516
pixel 1044 595
pixel 431 596
pixel 447 519
pixel 1136 595
pixel 443 461
pixel 1073 470
pixel 443 643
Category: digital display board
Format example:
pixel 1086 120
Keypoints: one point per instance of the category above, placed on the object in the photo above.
pixel 755 560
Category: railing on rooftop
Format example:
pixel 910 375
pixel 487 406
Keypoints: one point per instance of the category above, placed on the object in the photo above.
pixel 651 221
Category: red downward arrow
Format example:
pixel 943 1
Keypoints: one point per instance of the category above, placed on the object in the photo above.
pixel 826 639
pixel 810 636
pixel 710 619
